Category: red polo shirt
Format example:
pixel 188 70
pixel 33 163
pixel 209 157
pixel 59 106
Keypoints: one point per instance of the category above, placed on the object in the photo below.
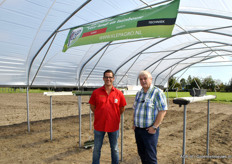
pixel 107 111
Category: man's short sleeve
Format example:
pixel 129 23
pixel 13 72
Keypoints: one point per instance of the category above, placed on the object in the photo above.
pixel 92 99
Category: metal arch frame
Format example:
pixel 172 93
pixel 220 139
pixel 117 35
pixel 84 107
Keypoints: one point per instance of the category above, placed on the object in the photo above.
pixel 33 59
pixel 160 60
pixel 97 62
pixel 57 30
pixel 194 31
pixel 189 58
pixel 183 12
pixel 80 72
pixel 54 32
pixel 163 58
pixel 181 33
pixel 196 63
pixel 139 53
pixel 205 14
pixel 187 67
pixel 43 60
pixel 192 44
pixel 198 57
pixel 110 42
pixel 202 60
pixel 197 13
pixel 212 56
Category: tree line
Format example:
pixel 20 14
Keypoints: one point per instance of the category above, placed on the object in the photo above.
pixel 195 82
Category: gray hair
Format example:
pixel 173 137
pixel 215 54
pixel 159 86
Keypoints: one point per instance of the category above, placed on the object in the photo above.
pixel 145 73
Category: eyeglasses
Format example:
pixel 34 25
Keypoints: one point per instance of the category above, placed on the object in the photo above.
pixel 108 77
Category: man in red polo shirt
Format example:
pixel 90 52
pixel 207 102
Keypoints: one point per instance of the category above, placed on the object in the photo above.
pixel 107 104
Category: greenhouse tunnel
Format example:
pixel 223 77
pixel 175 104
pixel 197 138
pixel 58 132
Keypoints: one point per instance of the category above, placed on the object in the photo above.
pixel 51 44
pixel 33 34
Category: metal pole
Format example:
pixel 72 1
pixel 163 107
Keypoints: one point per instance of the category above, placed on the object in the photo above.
pixel 167 96
pixel 90 119
pixel 184 135
pixel 28 120
pixel 51 118
pixel 207 145
pixel 122 125
pixel 79 107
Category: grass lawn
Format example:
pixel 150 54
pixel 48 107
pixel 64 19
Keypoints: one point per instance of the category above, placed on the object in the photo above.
pixel 225 97
pixel 220 96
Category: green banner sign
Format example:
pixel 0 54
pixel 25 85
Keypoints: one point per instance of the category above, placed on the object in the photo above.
pixel 153 22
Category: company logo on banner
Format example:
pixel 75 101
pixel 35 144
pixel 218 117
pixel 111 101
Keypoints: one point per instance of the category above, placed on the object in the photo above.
pixel 154 22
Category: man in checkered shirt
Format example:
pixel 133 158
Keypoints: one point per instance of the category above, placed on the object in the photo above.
pixel 150 107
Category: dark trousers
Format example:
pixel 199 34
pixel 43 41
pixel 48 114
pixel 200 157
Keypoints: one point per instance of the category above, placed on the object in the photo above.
pixel 147 144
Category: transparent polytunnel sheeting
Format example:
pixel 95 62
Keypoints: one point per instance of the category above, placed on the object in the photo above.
pixel 202 31
pixel 175 66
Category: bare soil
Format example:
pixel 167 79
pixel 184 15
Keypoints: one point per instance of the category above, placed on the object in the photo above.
pixel 20 146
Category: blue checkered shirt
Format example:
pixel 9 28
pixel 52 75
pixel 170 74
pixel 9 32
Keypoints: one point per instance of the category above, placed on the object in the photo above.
pixel 147 105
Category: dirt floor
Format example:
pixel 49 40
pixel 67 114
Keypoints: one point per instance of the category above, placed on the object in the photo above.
pixel 20 146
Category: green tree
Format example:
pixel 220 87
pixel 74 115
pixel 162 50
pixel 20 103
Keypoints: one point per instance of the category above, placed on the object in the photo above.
pixel 229 86
pixel 208 83
pixel 189 80
pixel 173 83
pixel 183 83
pixel 219 86
pixel 195 83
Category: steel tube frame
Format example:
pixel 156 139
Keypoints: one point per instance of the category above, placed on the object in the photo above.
pixel 57 30
pixel 51 118
pixel 37 53
pixel 198 61
pixel 175 64
pixel 122 126
pixel 28 113
pixel 79 78
pixel 184 134
pixel 208 119
pixel 181 33
pixel 79 108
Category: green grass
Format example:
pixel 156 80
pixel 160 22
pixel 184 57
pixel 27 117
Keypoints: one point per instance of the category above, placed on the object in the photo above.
pixel 220 96
pixel 225 97
pixel 20 90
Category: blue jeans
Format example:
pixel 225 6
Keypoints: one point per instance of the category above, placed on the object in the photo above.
pixel 98 141
pixel 147 144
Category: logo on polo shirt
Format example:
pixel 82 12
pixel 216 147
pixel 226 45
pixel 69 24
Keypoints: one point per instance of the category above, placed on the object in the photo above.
pixel 115 100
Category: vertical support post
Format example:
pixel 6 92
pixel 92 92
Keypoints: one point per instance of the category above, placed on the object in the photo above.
pixel 28 120
pixel 79 107
pixel 184 135
pixel 51 118
pixel 208 117
pixel 122 125
pixel 90 119
pixel 167 98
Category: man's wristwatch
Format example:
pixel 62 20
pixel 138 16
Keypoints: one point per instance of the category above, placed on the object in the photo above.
pixel 154 127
